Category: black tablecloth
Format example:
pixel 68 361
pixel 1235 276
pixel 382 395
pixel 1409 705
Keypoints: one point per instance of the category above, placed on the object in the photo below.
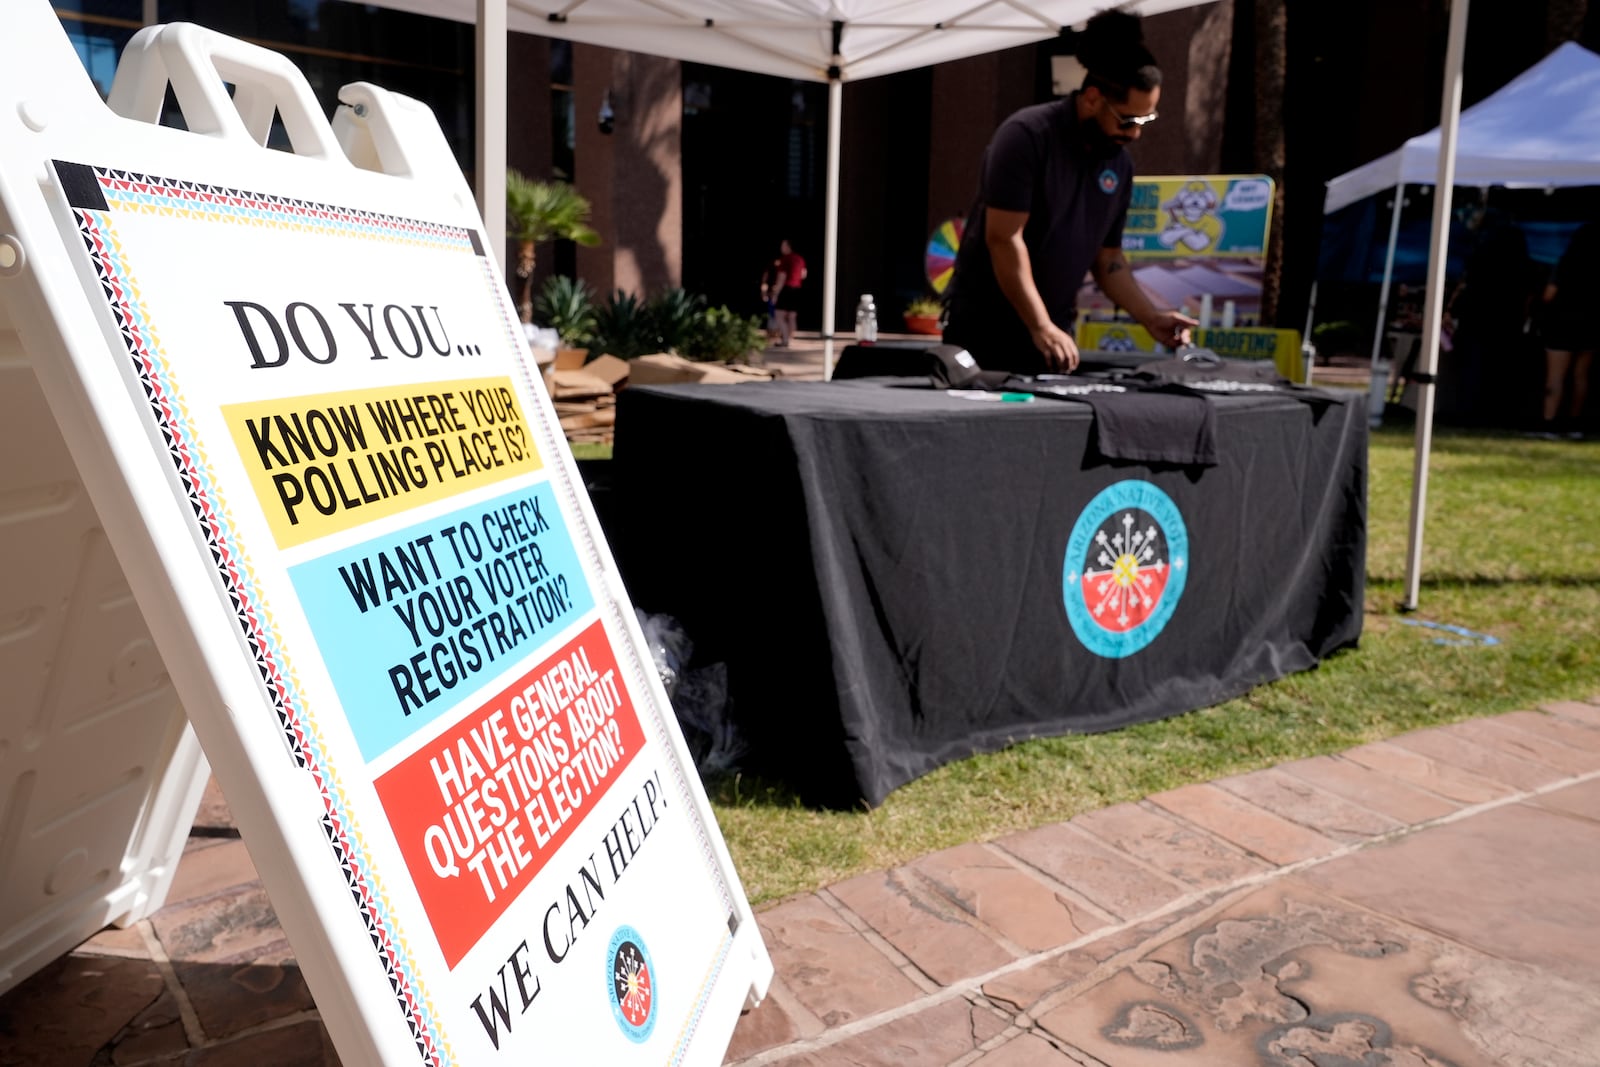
pixel 882 568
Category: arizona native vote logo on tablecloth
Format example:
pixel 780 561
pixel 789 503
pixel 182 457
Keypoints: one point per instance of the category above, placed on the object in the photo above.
pixel 1125 567
pixel 633 984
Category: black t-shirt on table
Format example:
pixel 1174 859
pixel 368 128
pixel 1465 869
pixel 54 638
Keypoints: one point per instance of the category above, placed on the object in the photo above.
pixel 1076 204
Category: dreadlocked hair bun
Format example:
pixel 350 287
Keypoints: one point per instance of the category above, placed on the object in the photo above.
pixel 1112 48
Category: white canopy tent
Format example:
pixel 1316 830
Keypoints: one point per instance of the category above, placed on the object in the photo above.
pixel 1541 130
pixel 831 41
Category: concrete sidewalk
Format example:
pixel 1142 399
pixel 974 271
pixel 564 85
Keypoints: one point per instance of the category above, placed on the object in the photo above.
pixel 1428 901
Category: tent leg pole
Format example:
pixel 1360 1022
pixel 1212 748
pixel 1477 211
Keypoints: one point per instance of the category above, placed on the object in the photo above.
pixel 1380 366
pixel 491 132
pixel 1434 309
pixel 830 236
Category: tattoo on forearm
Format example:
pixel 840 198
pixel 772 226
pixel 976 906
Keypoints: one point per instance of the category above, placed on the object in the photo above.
pixel 1114 266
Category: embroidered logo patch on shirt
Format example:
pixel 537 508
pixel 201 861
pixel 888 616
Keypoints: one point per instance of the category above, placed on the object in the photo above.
pixel 1108 181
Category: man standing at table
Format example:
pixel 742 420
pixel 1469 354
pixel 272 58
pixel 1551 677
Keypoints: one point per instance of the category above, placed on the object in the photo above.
pixel 1052 199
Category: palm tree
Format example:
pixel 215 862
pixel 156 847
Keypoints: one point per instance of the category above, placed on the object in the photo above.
pixel 1563 21
pixel 542 211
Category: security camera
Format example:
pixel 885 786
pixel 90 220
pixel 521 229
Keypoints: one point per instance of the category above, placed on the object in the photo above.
pixel 608 117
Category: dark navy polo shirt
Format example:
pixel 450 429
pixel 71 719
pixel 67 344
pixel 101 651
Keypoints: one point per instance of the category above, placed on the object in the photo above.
pixel 1076 205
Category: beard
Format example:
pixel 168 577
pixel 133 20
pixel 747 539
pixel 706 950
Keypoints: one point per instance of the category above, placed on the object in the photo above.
pixel 1099 143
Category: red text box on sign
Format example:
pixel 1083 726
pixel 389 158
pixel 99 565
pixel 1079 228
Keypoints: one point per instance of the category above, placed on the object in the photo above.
pixel 479 810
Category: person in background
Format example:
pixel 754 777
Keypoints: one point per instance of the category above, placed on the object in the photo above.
pixel 1571 332
pixel 1487 317
pixel 791 275
pixel 1055 185
pixel 769 299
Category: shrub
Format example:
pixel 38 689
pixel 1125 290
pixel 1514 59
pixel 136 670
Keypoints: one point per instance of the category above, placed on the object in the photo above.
pixel 725 336
pixel 566 305
pixel 624 327
pixel 673 313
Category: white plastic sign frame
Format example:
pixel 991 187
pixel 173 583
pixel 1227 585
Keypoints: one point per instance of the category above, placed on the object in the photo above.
pixel 296 390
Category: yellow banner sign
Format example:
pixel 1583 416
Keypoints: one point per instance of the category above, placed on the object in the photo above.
pixel 331 461
pixel 1214 215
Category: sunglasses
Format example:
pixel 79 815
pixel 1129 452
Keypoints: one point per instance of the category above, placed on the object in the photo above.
pixel 1128 122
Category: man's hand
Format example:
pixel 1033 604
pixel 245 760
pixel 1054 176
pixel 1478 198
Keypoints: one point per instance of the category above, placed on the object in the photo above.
pixel 1013 270
pixel 1059 351
pixel 1116 280
pixel 1171 328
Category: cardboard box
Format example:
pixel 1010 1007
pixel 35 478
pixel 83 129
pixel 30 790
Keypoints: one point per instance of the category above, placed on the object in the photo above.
pixel 609 369
pixel 589 419
pixel 665 368
pixel 576 384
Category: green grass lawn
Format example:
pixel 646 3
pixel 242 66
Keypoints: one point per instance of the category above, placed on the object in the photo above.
pixel 1510 551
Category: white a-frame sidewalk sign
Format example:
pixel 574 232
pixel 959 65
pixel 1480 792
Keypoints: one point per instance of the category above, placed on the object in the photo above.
pixel 317 499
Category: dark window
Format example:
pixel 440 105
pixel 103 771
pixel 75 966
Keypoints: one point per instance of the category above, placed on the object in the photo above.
pixel 563 133
pixel 333 43
pixel 99 30
pixel 561 62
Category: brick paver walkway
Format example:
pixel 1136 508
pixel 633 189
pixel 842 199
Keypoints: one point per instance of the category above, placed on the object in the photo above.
pixel 1403 903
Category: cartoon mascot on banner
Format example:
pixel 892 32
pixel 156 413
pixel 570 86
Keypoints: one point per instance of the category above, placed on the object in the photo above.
pixel 1195 224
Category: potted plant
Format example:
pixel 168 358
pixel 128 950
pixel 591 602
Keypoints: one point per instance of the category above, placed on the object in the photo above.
pixel 922 315
pixel 542 211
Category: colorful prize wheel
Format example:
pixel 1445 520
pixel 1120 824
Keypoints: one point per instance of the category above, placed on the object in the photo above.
pixel 940 260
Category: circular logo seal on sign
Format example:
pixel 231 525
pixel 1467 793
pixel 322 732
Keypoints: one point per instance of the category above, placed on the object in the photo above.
pixel 633 984
pixel 1109 180
pixel 1125 567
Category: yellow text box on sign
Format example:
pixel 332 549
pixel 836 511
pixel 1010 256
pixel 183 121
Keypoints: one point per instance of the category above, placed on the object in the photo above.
pixel 332 461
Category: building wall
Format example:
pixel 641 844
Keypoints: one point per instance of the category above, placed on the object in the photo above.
pixel 527 133
pixel 634 175
pixel 1204 116
pixel 969 99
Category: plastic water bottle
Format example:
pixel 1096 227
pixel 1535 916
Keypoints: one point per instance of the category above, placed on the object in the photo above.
pixel 866 320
